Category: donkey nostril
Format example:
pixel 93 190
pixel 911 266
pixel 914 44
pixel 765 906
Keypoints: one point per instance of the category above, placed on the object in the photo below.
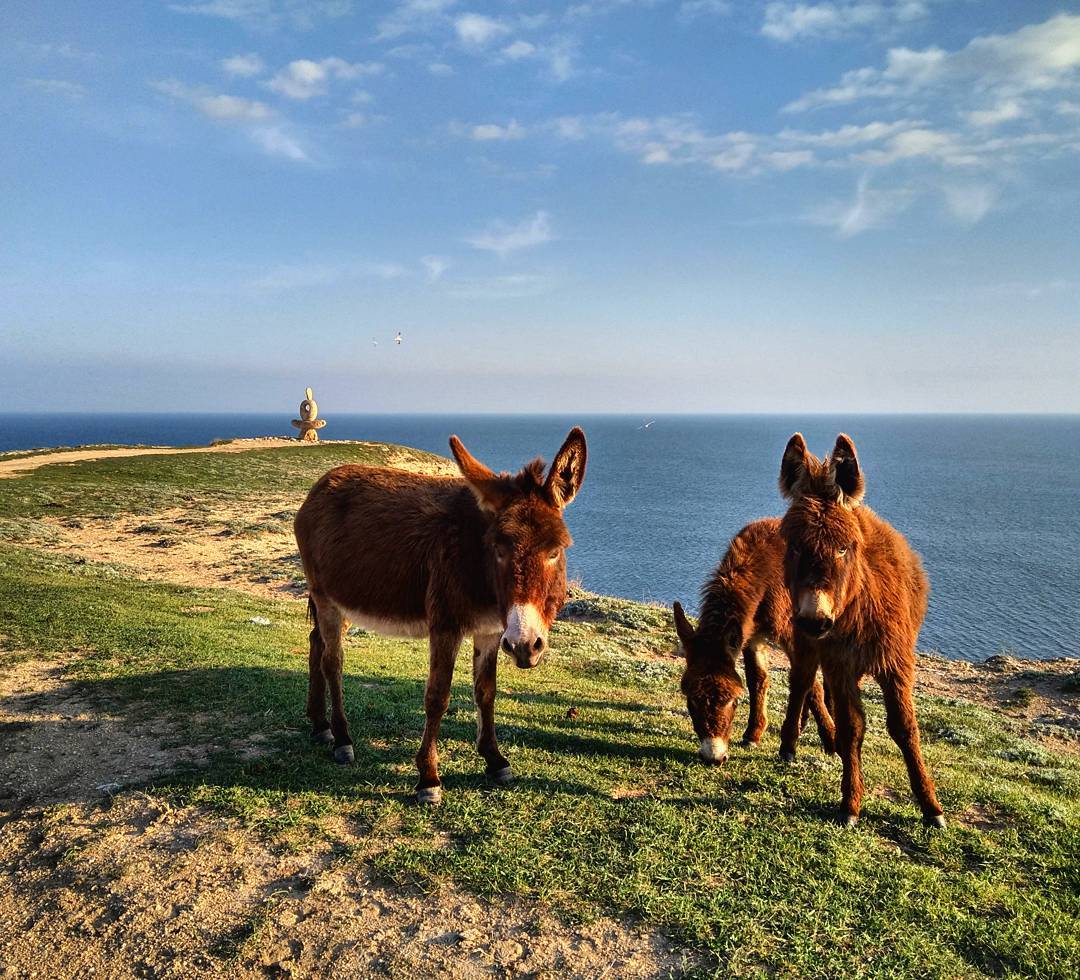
pixel 538 644
pixel 507 645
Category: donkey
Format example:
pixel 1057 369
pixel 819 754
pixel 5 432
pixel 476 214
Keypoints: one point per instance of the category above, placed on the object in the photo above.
pixel 745 608
pixel 859 594
pixel 409 555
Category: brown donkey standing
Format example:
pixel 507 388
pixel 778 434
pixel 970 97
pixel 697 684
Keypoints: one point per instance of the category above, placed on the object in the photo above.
pixel 859 593
pixel 745 607
pixel 409 555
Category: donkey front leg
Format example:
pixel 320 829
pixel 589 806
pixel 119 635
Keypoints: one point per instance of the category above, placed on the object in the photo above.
pixel 756 665
pixel 485 664
pixel 804 667
pixel 819 709
pixel 443 653
pixel 850 727
pixel 904 729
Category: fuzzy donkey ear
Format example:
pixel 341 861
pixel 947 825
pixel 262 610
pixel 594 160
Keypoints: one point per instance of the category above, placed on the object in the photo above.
pixel 684 629
pixel 845 472
pixel 491 490
pixel 793 467
pixel 567 471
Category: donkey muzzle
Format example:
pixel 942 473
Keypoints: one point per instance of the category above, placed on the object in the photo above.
pixel 525 638
pixel 817 627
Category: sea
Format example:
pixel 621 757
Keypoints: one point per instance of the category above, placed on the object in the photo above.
pixel 992 503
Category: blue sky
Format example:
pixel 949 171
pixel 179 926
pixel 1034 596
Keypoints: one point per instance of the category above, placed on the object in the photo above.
pixel 598 205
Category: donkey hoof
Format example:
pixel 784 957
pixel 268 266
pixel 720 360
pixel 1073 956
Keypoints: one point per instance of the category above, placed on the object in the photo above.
pixel 935 820
pixel 504 776
pixel 429 796
pixel 325 737
pixel 848 821
pixel 344 755
pixel 787 755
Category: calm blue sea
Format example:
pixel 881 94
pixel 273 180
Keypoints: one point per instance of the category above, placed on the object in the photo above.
pixel 991 503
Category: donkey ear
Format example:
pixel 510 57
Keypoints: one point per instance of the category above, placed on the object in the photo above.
pixel 567 471
pixel 684 629
pixel 846 473
pixel 488 488
pixel 793 466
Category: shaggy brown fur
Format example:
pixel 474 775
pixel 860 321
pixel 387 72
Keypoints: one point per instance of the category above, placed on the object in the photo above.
pixel 411 555
pixel 745 608
pixel 859 594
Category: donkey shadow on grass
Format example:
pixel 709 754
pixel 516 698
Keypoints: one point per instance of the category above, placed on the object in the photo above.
pixel 67 741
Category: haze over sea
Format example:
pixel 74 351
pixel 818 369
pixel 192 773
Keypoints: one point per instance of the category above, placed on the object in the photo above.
pixel 990 502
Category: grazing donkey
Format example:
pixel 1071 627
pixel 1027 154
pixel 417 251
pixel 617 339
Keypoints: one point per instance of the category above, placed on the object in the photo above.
pixel 409 555
pixel 745 608
pixel 859 593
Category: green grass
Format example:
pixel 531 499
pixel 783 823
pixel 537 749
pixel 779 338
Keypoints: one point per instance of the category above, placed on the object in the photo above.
pixel 611 813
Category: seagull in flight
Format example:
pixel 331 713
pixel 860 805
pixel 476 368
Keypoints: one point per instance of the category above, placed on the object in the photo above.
pixel 397 338
pixel 647 424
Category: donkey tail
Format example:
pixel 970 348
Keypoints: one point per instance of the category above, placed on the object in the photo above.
pixel 312 612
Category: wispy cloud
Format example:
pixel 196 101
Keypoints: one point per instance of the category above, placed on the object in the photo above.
pixel 304 79
pixel 224 108
pixel 691 10
pixel 57 87
pixel 413 16
pixel 243 65
pixel 786 21
pixel 489 132
pixel 435 266
pixel 503 238
pixel 870 208
pixel 479 30
pixel 306 275
pixel 267 14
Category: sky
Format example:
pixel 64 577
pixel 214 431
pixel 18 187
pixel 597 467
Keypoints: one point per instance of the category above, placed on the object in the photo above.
pixel 585 206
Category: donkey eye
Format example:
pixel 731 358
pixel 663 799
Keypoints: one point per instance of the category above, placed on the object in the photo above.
pixel 554 556
pixel 842 553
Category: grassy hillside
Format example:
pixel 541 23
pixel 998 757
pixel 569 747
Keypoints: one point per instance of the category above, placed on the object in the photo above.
pixel 611 813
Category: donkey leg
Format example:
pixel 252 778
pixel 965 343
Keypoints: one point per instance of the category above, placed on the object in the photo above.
pixel 485 664
pixel 316 696
pixel 823 718
pixel 756 665
pixel 443 653
pixel 850 727
pixel 801 679
pixel 904 729
pixel 332 627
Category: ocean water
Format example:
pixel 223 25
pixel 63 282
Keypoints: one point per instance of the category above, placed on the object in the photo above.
pixel 990 502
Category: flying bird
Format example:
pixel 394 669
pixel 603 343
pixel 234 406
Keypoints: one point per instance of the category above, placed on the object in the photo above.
pixel 397 339
pixel 647 424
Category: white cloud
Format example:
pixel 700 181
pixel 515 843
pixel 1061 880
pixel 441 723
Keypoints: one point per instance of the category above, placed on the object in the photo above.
pixel 1067 108
pixel 502 238
pixel 440 69
pixel 519 50
pixel 786 21
pixel 690 10
pixel 849 135
pixel 304 79
pixel 57 87
pixel 243 65
pixel 490 132
pixel 478 30
pixel 435 266
pixel 1038 57
pixel 223 108
pixel 355 120
pixel 1003 112
pixel 267 14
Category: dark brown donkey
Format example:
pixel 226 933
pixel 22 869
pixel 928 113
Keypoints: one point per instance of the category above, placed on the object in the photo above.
pixel 745 608
pixel 859 594
pixel 408 555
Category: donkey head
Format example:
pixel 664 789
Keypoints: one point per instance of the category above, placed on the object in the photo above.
pixel 822 535
pixel 526 540
pixel 712 688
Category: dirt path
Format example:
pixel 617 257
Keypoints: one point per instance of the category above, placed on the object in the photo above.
pixel 24 464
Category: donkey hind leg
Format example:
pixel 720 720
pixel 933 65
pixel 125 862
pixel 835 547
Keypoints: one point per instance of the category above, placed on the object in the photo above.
pixel 316 696
pixel 756 665
pixel 850 727
pixel 332 627
pixel 904 729
pixel 485 664
pixel 801 679
pixel 823 717
pixel 443 653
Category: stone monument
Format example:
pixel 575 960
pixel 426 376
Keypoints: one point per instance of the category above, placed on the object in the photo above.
pixel 308 424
